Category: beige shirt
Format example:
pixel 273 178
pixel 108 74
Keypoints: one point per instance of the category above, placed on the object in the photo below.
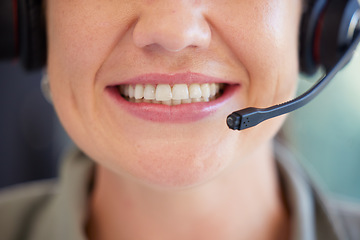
pixel 56 210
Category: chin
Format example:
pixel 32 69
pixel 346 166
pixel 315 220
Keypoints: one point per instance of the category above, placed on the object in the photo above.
pixel 175 169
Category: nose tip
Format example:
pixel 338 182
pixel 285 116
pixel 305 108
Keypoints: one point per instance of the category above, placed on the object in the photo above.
pixel 172 31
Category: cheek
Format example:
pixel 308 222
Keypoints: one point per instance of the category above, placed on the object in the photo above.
pixel 266 45
pixel 82 33
pixel 273 66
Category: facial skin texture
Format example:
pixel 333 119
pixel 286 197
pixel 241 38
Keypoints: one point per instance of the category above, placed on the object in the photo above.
pixel 93 44
pixel 154 174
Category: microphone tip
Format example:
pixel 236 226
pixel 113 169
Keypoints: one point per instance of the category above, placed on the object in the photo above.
pixel 232 122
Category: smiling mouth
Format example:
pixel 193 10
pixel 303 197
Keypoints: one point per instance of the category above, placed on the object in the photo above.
pixel 172 98
pixel 176 94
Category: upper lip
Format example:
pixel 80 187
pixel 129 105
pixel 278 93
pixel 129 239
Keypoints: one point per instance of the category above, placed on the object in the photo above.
pixel 177 78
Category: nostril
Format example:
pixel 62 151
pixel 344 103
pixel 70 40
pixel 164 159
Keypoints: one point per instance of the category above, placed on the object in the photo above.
pixel 172 32
pixel 168 39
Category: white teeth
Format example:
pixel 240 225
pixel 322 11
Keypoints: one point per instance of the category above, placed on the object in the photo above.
pixel 217 87
pixel 149 92
pixel 139 91
pixel 165 94
pixel 180 92
pixel 212 90
pixel 205 90
pixel 195 90
pixel 131 92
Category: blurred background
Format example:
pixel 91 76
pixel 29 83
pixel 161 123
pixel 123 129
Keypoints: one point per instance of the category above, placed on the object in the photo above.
pixel 31 138
pixel 325 134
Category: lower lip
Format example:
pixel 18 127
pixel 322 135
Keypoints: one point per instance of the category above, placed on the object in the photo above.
pixel 176 114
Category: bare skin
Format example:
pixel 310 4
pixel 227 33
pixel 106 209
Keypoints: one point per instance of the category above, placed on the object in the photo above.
pixel 227 208
pixel 168 180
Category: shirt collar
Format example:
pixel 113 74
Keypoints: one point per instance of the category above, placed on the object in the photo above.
pixel 72 203
pixel 310 216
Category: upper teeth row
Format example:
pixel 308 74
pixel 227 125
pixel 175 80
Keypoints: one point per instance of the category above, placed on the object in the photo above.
pixel 164 92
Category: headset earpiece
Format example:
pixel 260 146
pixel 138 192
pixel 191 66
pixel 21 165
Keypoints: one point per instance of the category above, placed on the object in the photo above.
pixel 7 31
pixel 309 25
pixel 337 35
pixel 22 30
pixel 326 32
pixel 32 37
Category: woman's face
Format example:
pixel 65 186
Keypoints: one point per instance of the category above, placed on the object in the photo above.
pixel 248 48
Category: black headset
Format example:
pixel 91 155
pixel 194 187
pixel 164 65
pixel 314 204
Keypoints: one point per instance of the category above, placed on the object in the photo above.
pixel 328 37
pixel 328 28
pixel 22 31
